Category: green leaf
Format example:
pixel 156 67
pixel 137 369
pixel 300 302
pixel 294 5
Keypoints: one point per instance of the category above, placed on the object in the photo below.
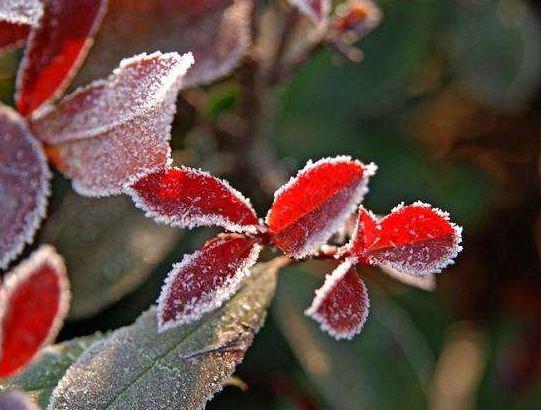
pixel 41 377
pixel 109 246
pixel 136 367
pixel 352 374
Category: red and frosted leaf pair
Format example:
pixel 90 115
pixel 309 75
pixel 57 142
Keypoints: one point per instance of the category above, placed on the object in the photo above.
pixel 103 137
pixel 411 240
pixel 34 300
pixel 306 213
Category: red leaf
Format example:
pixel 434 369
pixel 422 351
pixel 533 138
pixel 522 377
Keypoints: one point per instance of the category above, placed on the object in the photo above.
pixel 205 279
pixel 316 10
pixel 55 50
pixel 217 32
pixel 341 304
pixel 187 198
pixel 12 35
pixel 24 185
pixel 110 133
pixel 315 204
pixel 415 239
pixel 34 300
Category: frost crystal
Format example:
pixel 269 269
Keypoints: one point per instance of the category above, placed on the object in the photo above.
pixel 312 206
pixel 107 135
pixel 26 12
pixel 24 185
pixel 186 198
pixel 55 50
pixel 204 280
pixel 415 239
pixel 216 31
pixel 316 10
pixel 34 300
pixel 341 304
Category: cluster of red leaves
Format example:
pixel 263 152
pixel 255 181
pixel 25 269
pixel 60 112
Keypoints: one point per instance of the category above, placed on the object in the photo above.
pixel 34 299
pixel 307 211
pixel 111 132
pixel 104 136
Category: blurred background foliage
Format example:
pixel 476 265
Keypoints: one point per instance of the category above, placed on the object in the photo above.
pixel 447 103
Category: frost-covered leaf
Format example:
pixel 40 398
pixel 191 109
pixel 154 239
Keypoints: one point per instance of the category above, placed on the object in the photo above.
pixel 40 378
pixel 55 49
pixel 187 197
pixel 110 249
pixel 24 185
pixel 137 367
pixel 341 304
pixel 312 206
pixel 415 239
pixel 27 12
pixel 204 280
pixel 316 10
pixel 351 374
pixel 108 134
pixel 16 400
pixel 34 299
pixel 216 31
pixel 425 282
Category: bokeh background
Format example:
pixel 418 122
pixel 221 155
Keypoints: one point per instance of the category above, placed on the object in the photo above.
pixel 447 103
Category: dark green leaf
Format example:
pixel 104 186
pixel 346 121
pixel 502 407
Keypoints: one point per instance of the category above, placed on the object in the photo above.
pixel 109 246
pixel 41 377
pixel 136 367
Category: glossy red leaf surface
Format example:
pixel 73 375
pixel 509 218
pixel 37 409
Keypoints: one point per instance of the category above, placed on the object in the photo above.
pixel 316 10
pixel 415 239
pixel 205 279
pixel 108 134
pixel 216 32
pixel 55 50
pixel 24 185
pixel 341 304
pixel 187 197
pixel 312 206
pixel 34 300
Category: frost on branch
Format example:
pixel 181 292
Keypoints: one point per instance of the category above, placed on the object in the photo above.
pixel 16 17
pixel 312 206
pixel 110 133
pixel 34 300
pixel 316 10
pixel 216 31
pixel 186 198
pixel 341 304
pixel 55 49
pixel 204 280
pixel 24 185
pixel 415 239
